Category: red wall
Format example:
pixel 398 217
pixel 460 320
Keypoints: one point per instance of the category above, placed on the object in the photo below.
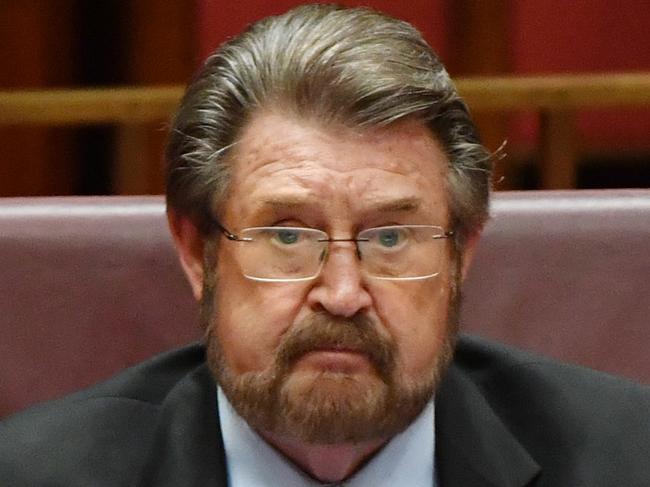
pixel 580 35
pixel 219 19
pixel 560 36
pixel 550 36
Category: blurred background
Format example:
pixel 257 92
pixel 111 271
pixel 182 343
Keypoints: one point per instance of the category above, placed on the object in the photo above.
pixel 561 81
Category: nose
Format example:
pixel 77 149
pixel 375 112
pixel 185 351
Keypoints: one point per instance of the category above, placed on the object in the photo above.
pixel 340 287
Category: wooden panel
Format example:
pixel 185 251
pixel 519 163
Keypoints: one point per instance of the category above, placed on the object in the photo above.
pixel 88 106
pixel 147 104
pixel 161 47
pixel 479 37
pixel 139 168
pixel 557 91
pixel 35 49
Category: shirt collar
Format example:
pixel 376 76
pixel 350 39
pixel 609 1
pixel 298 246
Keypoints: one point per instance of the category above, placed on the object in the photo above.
pixel 407 459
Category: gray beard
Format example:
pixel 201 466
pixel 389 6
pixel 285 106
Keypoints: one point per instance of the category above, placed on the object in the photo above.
pixel 329 407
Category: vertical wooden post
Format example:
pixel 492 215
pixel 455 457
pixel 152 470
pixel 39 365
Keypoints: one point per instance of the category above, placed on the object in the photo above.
pixel 130 174
pixel 161 49
pixel 480 45
pixel 559 151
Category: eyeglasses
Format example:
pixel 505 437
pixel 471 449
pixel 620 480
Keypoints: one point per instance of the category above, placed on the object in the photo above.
pixel 291 254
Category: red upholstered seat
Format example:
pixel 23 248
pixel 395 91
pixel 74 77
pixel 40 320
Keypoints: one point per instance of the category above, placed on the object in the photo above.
pixel 91 285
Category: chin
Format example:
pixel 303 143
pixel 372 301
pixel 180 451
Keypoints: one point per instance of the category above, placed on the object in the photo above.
pixel 332 407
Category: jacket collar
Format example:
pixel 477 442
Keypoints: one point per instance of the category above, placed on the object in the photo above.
pixel 187 448
pixel 473 446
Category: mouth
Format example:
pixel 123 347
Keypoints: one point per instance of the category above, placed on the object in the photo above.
pixel 337 348
pixel 337 359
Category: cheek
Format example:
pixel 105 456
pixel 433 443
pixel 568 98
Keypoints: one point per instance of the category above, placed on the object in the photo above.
pixel 415 315
pixel 251 319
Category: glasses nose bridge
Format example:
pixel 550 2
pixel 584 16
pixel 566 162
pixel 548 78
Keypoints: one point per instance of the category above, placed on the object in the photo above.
pixel 323 257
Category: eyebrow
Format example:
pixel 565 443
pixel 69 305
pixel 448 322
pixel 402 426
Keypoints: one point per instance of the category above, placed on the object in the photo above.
pixel 400 205
pixel 286 202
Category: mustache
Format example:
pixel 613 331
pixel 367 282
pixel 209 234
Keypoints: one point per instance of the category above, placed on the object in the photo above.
pixel 324 331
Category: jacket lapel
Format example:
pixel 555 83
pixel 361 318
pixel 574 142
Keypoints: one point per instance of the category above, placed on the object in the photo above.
pixel 187 448
pixel 473 446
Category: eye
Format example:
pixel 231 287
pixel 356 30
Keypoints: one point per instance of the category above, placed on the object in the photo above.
pixel 287 236
pixel 389 237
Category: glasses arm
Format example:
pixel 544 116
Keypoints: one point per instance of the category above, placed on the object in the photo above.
pixel 228 234
pixel 447 234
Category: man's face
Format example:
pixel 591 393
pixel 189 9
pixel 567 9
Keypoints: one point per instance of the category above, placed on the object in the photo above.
pixel 343 357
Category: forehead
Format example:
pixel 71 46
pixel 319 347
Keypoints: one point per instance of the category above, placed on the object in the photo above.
pixel 285 161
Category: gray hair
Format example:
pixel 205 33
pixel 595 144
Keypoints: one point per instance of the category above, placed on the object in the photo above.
pixel 352 66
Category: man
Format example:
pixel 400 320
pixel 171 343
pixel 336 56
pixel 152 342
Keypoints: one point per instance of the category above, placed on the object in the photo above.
pixel 326 190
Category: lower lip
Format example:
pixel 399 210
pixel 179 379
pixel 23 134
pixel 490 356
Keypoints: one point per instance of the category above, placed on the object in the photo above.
pixel 342 361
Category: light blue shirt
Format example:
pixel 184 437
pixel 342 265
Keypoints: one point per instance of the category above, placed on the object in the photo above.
pixel 407 459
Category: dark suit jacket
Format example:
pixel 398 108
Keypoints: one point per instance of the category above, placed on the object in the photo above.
pixel 503 418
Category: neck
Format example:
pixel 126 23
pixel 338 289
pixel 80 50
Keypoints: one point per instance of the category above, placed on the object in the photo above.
pixel 326 463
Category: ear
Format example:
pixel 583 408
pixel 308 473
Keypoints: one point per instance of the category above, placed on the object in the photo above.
pixel 189 245
pixel 468 252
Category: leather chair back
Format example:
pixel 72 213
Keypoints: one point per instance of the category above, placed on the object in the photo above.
pixel 567 274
